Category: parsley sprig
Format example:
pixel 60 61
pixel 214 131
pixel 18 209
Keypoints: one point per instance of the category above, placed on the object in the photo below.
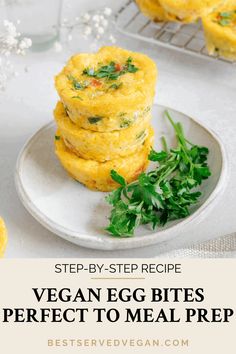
pixel 164 194
pixel 110 71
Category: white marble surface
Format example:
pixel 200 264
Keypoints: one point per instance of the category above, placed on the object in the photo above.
pixel 203 89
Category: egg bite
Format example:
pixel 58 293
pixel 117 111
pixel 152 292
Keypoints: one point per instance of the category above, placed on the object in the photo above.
pixel 96 175
pixel 108 90
pixel 101 146
pixel 154 10
pixel 190 10
pixel 122 120
pixel 220 31
pixel 3 237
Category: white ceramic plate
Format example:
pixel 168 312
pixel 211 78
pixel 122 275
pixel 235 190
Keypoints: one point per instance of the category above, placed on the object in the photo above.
pixel 79 215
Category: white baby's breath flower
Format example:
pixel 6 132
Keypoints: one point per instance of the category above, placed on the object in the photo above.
pixel 87 30
pixel 96 18
pixel 86 17
pixel 25 43
pixel 57 47
pixel 100 30
pixel 10 29
pixel 107 11
pixel 10 42
pixel 93 24
pixel 104 23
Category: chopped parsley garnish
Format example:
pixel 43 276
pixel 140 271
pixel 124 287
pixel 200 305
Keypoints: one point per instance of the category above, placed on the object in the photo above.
pixel 76 84
pixel 141 135
pixel 112 71
pixel 125 123
pixel 225 18
pixel 147 109
pixel 66 109
pixel 57 137
pixel 131 68
pixel 115 86
pixel 122 114
pixel 224 22
pixel 163 194
pixel 78 97
pixel 94 120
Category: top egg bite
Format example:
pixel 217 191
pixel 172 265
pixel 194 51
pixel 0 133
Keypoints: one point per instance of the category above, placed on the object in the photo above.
pixel 107 90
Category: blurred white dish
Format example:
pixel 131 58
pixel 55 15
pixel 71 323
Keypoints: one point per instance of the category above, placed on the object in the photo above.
pixel 79 215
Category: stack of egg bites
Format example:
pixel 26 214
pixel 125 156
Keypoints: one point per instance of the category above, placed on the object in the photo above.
pixel 218 19
pixel 104 115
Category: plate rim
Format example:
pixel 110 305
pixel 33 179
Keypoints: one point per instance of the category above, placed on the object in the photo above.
pixel 112 243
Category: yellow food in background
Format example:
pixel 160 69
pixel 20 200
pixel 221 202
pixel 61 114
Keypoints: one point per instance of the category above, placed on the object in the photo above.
pixel 96 175
pixel 189 11
pixel 220 31
pixel 154 10
pixel 3 237
pixel 100 100
pixel 101 146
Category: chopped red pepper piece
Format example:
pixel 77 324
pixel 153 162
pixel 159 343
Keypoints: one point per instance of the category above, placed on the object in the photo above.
pixel 118 67
pixel 96 83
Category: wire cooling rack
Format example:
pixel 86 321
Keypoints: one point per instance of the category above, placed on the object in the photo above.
pixel 188 38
